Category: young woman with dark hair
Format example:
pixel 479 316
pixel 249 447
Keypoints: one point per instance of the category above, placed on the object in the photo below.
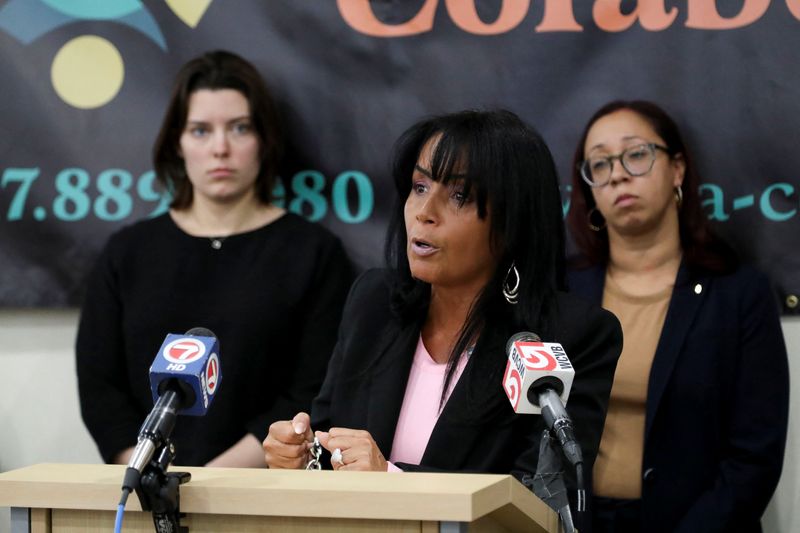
pixel 270 284
pixel 211 73
pixel 475 255
pixel 697 419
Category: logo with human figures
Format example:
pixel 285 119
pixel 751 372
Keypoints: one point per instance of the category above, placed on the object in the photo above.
pixel 88 71
pixel 212 374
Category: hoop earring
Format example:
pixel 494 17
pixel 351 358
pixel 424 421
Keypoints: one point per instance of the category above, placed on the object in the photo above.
pixel 511 294
pixel 679 196
pixel 592 225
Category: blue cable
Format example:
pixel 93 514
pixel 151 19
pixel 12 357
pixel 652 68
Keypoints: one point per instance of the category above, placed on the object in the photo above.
pixel 121 510
pixel 118 521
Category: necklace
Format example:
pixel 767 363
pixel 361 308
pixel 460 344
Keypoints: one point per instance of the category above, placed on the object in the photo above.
pixel 251 220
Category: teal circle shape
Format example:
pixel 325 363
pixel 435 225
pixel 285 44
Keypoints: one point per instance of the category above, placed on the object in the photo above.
pixel 95 9
pixel 40 213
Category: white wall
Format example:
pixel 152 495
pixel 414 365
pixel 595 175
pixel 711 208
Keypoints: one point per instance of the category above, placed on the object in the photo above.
pixel 783 513
pixel 40 418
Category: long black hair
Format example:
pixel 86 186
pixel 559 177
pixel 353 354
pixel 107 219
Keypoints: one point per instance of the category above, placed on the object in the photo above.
pixel 511 173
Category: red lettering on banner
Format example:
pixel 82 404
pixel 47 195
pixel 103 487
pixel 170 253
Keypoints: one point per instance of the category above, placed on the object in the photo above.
pixel 358 14
pixel 651 14
pixel 465 16
pixel 794 8
pixel 703 14
pixel 558 16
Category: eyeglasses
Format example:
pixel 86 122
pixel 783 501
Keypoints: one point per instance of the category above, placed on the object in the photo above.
pixel 637 161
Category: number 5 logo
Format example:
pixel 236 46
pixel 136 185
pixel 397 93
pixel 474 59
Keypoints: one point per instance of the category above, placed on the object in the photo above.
pixel 537 358
pixel 512 383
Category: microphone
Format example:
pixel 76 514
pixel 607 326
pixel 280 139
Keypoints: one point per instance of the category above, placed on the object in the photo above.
pixel 184 378
pixel 538 379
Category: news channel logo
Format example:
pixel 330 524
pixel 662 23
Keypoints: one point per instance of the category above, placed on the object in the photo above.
pixel 88 71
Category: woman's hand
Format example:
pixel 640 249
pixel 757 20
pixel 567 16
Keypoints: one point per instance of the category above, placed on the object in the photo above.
pixel 288 442
pixel 357 450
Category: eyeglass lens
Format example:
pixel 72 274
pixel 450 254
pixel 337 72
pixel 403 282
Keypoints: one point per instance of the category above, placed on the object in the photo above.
pixel 637 160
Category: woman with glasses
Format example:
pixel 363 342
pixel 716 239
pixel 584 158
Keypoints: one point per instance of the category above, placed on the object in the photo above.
pixel 696 424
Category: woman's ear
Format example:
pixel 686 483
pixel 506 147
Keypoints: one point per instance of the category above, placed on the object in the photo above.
pixel 678 165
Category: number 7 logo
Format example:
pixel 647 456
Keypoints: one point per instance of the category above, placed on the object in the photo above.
pixel 184 351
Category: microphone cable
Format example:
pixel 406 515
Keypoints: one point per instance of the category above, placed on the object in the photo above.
pixel 121 509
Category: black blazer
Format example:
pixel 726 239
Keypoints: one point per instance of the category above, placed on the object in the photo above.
pixel 477 430
pixel 717 403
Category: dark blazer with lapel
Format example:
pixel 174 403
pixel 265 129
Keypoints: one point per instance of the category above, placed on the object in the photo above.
pixel 477 430
pixel 717 402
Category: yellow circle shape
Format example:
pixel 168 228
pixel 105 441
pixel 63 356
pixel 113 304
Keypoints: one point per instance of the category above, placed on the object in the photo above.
pixel 87 72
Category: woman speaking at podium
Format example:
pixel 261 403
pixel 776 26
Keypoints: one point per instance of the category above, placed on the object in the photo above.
pixel 476 254
pixel 270 284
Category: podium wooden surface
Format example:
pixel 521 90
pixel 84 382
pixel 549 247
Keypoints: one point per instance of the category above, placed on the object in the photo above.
pixel 70 498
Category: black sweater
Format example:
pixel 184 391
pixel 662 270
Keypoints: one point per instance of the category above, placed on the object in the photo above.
pixel 273 296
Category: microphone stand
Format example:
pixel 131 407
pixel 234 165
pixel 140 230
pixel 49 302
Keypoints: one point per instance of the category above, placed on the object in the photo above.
pixel 159 490
pixel 548 481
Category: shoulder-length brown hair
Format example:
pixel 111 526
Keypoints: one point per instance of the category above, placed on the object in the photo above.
pixel 216 70
pixel 701 248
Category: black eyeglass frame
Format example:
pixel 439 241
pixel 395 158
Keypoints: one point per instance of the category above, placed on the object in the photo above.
pixel 620 157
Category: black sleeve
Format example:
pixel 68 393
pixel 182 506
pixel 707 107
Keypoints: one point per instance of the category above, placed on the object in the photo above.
pixel 592 339
pixel 757 418
pixel 321 407
pixel 107 403
pixel 315 343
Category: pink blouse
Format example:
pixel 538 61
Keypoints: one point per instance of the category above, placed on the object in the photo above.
pixel 420 409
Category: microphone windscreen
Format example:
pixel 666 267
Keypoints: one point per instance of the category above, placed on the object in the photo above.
pixel 201 332
pixel 522 336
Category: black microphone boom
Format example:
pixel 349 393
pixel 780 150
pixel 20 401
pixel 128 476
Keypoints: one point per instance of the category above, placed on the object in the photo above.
pixel 546 372
pixel 559 422
pixel 157 427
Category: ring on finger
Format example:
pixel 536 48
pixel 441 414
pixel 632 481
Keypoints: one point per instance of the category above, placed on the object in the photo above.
pixel 336 456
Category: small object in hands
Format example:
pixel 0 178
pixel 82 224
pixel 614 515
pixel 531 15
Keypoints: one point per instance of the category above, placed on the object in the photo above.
pixel 316 452
pixel 336 456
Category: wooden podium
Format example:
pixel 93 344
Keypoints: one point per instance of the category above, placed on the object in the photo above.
pixel 59 498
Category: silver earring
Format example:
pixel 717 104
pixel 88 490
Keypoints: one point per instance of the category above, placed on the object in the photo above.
pixel 511 293
pixel 592 225
pixel 679 196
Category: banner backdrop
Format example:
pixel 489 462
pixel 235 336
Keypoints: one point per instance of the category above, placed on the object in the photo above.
pixel 84 84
